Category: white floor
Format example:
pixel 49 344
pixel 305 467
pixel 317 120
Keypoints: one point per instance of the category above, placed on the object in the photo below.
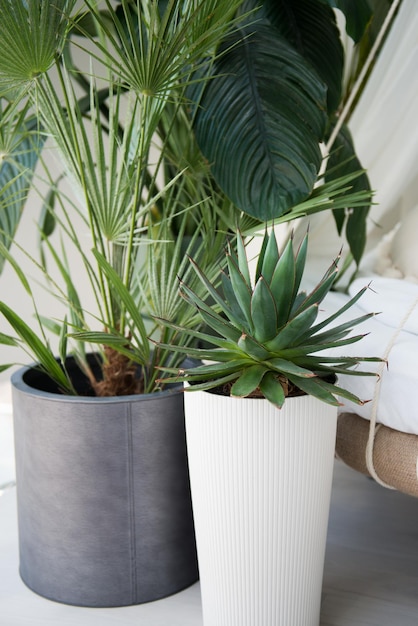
pixel 7 471
pixel 371 565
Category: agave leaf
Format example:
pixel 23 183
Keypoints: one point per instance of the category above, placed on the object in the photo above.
pixel 209 314
pixel 337 314
pixel 212 292
pixel 236 316
pixel 317 295
pixel 312 361
pixel 217 354
pixel 290 333
pixel 197 334
pixel 337 332
pixel 297 303
pixel 270 256
pixel 272 390
pixel 301 351
pixel 261 255
pixel 225 368
pixel 263 312
pixel 221 326
pixel 345 369
pixel 209 384
pixel 300 262
pixel 314 387
pixel 248 381
pixel 287 367
pixel 343 393
pixel 241 289
pixel 242 260
pixel 251 347
pixel 283 283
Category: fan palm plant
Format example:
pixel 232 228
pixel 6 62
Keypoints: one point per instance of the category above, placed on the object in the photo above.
pixel 188 119
pixel 105 143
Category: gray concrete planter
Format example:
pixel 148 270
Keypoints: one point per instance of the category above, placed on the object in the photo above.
pixel 104 508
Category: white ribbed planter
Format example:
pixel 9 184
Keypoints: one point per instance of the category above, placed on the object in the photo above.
pixel 261 485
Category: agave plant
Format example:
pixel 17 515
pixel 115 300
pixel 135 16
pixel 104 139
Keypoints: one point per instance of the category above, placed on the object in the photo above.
pixel 267 338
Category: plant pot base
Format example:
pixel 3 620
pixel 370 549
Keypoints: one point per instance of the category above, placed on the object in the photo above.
pixel 261 484
pixel 104 507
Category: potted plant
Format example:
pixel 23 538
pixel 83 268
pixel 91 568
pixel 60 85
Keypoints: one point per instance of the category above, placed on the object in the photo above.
pixel 130 214
pixel 261 424
pixel 103 490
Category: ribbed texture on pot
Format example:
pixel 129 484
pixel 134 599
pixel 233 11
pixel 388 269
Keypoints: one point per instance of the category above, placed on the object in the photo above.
pixel 261 483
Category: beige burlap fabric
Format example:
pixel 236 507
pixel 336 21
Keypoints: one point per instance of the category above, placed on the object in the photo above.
pixel 395 454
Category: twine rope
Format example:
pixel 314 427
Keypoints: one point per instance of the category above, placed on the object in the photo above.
pixel 374 427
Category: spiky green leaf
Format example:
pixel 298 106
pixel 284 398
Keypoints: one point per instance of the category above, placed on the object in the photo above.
pixel 253 348
pixel 283 284
pixel 272 389
pixel 314 387
pixel 263 312
pixel 248 381
pixel 241 289
pixel 290 333
pixel 287 367
pixel 269 256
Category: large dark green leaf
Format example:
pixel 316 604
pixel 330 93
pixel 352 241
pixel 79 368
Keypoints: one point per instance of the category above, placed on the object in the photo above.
pixel 343 160
pixel 260 120
pixel 310 27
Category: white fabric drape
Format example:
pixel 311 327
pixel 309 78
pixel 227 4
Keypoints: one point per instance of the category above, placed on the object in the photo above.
pixel 385 131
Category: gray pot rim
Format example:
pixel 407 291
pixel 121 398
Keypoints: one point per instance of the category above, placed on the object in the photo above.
pixel 17 382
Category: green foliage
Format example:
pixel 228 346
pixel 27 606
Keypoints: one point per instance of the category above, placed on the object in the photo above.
pixel 129 201
pixel 273 93
pixel 31 35
pixel 264 149
pixel 267 337
pixel 176 123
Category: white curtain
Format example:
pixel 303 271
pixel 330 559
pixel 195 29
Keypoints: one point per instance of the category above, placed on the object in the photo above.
pixel 385 131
